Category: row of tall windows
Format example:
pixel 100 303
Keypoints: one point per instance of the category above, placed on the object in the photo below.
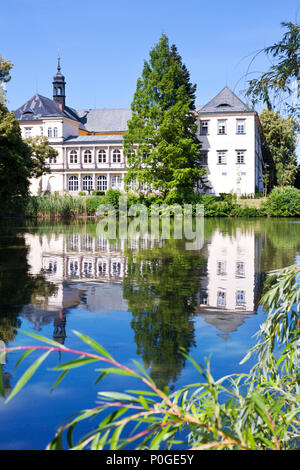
pixel 222 157
pixel 222 127
pixel 87 183
pixel 101 156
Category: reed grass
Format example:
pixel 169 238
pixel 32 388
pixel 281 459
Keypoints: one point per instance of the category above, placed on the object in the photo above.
pixel 54 206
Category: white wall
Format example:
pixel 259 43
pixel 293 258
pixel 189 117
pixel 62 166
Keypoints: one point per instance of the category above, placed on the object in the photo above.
pixel 230 177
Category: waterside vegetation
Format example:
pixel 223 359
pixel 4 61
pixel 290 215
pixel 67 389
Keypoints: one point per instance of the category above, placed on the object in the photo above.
pixel 281 202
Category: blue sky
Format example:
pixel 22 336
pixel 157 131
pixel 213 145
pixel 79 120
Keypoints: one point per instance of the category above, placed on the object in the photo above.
pixel 103 45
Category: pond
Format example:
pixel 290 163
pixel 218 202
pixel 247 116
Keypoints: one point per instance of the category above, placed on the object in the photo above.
pixel 142 299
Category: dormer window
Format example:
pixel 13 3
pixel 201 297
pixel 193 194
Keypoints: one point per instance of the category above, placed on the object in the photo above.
pixel 224 105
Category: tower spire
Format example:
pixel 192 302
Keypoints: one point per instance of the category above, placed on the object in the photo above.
pixel 59 86
pixel 58 61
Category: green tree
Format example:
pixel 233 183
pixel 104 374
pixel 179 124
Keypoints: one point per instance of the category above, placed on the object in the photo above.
pixel 279 147
pixel 282 80
pixel 161 143
pixel 41 153
pixel 5 66
pixel 19 160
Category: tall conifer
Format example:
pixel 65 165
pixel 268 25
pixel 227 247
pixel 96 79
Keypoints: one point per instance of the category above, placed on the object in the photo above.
pixel 161 143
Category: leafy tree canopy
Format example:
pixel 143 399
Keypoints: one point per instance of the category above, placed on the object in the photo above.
pixel 282 80
pixel 19 160
pixel 279 147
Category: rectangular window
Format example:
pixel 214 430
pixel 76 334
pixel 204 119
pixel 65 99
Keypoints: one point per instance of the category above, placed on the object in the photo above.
pixel 240 298
pixel 240 157
pixel 222 160
pixel 221 127
pixel 240 269
pixel 221 268
pixel 73 268
pixel 52 160
pixel 203 127
pixel 102 268
pixel 203 299
pixel 203 157
pixel 27 132
pixel 240 126
pixel 221 298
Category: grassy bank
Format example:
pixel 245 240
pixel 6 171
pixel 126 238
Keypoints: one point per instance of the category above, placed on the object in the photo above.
pixel 282 202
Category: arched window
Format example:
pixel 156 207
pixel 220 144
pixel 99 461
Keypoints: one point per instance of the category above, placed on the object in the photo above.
pixel 116 156
pixel 55 132
pixel 102 183
pixel 101 156
pixel 73 183
pixel 50 132
pixel 87 183
pixel 73 156
pixel 59 90
pixel 87 156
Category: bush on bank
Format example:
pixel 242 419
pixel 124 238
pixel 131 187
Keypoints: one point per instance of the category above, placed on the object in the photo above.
pixel 283 202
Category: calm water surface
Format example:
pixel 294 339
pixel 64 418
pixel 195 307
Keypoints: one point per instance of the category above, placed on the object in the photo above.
pixel 141 299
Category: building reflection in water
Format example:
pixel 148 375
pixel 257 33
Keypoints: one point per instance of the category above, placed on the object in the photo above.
pixel 80 265
pixel 230 289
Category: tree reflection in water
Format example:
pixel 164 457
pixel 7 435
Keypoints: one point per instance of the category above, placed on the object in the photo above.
pixel 160 287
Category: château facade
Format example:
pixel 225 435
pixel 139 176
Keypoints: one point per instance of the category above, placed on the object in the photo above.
pixel 90 151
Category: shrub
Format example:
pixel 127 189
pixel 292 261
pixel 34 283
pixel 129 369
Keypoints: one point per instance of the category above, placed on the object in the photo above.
pixel 98 193
pixel 112 197
pixel 92 204
pixel 283 202
pixel 82 193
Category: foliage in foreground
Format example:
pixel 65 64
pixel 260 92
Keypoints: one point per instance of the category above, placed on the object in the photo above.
pixel 255 411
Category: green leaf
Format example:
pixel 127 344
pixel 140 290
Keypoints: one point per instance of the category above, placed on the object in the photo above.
pixel 59 379
pixel 27 375
pixel 116 436
pixel 116 370
pixel 101 376
pixel 144 402
pixel 43 339
pixel 26 353
pixel 76 363
pixel 93 344
pixel 119 396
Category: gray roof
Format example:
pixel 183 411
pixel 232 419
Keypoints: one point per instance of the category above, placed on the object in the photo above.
pixel 105 120
pixel 92 120
pixel 94 139
pixel 224 102
pixel 39 107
